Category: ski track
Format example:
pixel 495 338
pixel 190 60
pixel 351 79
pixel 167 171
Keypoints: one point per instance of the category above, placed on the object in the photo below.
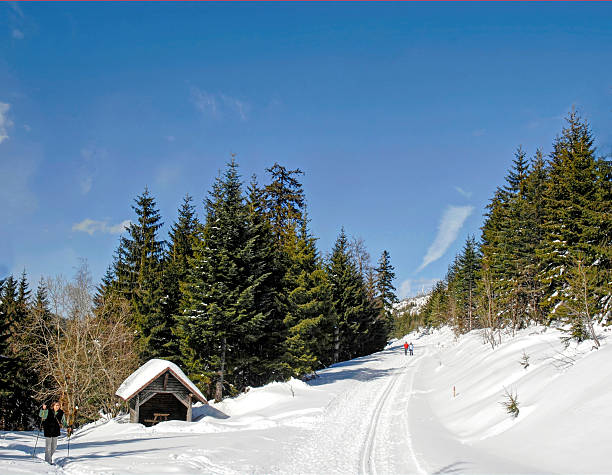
pixel 393 402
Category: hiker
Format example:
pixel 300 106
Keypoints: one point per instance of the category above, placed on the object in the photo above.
pixel 405 348
pixel 51 421
pixel 411 348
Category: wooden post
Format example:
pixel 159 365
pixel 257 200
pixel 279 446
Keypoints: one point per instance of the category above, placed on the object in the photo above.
pixel 189 408
pixel 453 391
pixel 137 409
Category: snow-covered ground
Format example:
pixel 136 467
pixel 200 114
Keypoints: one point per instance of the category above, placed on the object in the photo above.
pixel 415 304
pixel 384 413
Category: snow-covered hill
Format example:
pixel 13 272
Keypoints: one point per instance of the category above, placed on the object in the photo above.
pixel 384 413
pixel 414 304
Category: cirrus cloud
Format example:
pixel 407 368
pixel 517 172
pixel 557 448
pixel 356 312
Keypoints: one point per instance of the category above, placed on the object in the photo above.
pixel 5 122
pixel 91 226
pixel 450 224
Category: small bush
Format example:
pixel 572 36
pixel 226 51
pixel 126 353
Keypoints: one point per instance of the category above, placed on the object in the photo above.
pixel 524 360
pixel 511 403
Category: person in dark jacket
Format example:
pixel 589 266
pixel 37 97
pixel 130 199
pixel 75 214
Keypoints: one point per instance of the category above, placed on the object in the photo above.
pixel 52 420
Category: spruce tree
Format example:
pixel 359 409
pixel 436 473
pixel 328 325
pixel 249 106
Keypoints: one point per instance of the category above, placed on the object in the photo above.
pixel 386 296
pixel 356 316
pixel 569 197
pixel 284 201
pixel 310 319
pixel 183 235
pixel 467 278
pixel 232 323
pixel 138 272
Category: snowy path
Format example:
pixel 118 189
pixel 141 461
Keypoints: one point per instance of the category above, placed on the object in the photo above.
pixel 381 414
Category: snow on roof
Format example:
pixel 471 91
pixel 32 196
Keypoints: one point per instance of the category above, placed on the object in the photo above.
pixel 149 372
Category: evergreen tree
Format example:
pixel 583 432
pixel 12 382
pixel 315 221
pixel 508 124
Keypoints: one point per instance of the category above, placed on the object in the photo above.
pixel 184 235
pixel 356 316
pixel 231 324
pixel 310 320
pixel 569 198
pixel 467 278
pixel 16 396
pixel 386 296
pixel 138 272
pixel 284 201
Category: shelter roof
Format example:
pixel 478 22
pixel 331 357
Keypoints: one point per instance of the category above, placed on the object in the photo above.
pixel 148 373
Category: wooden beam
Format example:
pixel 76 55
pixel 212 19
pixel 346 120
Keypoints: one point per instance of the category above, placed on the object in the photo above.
pixel 137 409
pixel 166 381
pixel 189 409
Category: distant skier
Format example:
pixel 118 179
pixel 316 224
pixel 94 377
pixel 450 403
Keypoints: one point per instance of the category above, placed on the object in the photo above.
pixel 51 421
pixel 411 348
pixel 405 348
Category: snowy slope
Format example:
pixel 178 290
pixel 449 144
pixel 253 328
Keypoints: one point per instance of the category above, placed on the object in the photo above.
pixel 384 413
pixel 415 304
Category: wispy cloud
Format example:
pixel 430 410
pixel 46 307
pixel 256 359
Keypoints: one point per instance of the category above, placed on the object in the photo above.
pixel 16 8
pixel 18 34
pixel 91 226
pixel 5 122
pixel 450 224
pixel 412 287
pixel 16 193
pixel 90 157
pixel 219 105
pixel 479 132
pixel 169 174
pixel 462 192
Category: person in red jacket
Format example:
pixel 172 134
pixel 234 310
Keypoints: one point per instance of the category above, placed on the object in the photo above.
pixel 405 348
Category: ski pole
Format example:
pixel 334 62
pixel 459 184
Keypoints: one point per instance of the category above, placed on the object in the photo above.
pixel 37 435
pixel 76 408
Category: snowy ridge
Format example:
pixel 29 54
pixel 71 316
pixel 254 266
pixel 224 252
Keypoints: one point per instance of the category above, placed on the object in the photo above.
pixel 383 413
pixel 415 304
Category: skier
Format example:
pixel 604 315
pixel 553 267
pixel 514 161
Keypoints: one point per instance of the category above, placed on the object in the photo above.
pixel 405 348
pixel 51 421
pixel 411 348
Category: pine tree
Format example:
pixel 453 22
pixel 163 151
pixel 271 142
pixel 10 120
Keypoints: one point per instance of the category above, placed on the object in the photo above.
pixel 569 197
pixel 16 396
pixel 310 320
pixel 468 269
pixel 284 201
pixel 386 296
pixel 138 272
pixel 356 316
pixel 184 235
pixel 232 323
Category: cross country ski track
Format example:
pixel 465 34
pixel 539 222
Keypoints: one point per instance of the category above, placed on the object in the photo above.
pixel 392 402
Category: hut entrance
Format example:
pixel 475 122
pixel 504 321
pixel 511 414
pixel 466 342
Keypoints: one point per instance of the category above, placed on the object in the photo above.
pixel 161 407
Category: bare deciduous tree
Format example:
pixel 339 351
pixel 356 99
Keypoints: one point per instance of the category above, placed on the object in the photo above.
pixel 81 356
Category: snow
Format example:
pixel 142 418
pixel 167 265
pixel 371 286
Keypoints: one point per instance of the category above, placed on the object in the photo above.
pixel 415 304
pixel 383 413
pixel 150 371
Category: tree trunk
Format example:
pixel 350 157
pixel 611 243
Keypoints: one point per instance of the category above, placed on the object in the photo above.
pixel 219 388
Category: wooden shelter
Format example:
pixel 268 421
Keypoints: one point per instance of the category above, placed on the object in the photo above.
pixel 159 391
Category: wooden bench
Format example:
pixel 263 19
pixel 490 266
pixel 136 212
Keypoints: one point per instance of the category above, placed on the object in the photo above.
pixel 158 417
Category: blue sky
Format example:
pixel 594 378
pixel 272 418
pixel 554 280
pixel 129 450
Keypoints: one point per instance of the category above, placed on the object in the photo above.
pixel 404 117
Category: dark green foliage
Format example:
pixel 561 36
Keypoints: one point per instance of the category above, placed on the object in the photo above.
pixel 358 328
pixel 570 198
pixel 16 377
pixel 310 319
pixel 138 277
pixel 545 252
pixel 233 320
pixel 386 296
